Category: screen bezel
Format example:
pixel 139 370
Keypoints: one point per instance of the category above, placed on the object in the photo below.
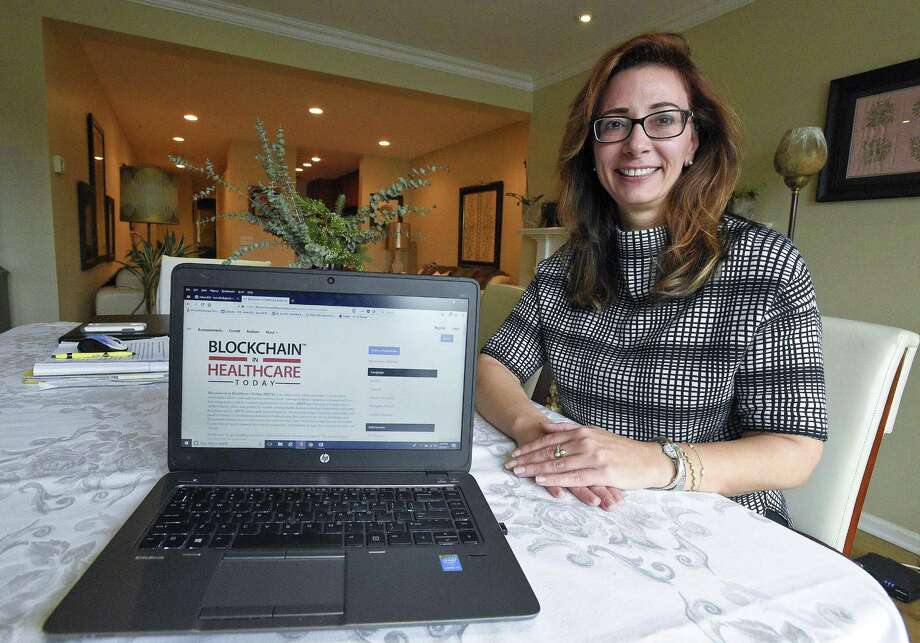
pixel 323 281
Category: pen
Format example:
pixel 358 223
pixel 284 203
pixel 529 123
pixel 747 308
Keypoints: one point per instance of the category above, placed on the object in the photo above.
pixel 92 355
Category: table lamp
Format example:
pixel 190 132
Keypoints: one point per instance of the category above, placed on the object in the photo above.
pixel 800 155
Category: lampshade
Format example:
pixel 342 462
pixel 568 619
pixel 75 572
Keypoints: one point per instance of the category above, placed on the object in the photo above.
pixel 801 154
pixel 148 195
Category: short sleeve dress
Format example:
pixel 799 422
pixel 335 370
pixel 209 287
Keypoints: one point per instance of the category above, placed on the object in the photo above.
pixel 742 353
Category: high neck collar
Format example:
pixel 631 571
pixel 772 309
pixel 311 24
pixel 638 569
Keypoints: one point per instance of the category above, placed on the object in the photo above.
pixel 637 254
pixel 633 244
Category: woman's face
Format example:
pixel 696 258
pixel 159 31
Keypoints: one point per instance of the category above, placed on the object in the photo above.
pixel 640 172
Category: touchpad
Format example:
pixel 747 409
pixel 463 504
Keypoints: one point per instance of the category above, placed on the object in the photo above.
pixel 253 588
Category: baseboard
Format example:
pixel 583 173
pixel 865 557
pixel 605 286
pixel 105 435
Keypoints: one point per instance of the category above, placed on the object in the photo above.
pixel 888 531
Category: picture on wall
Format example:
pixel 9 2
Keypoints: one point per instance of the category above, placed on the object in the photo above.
pixel 873 135
pixel 86 218
pixel 103 239
pixel 481 224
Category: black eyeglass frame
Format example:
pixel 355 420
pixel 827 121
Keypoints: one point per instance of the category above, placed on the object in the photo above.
pixel 688 114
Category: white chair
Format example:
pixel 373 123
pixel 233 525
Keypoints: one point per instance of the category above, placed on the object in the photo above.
pixel 866 366
pixel 167 264
pixel 495 304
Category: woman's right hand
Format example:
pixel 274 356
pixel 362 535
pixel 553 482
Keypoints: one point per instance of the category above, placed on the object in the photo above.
pixel 596 496
pixel 502 402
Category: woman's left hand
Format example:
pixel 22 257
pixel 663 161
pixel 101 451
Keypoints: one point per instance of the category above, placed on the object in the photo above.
pixel 592 457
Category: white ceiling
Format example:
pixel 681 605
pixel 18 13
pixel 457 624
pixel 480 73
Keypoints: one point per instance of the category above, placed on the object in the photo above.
pixel 151 85
pixel 522 43
pixel 526 43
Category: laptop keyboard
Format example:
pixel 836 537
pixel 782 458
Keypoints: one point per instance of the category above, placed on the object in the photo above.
pixel 304 517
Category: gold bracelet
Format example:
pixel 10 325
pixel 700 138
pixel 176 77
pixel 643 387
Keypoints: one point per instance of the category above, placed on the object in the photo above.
pixel 700 458
pixel 689 462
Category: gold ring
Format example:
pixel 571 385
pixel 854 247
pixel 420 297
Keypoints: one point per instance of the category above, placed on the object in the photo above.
pixel 559 452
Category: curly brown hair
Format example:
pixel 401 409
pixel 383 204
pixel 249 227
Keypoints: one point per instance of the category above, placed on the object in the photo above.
pixel 695 205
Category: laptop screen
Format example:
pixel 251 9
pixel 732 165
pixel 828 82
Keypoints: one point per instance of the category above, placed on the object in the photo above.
pixel 272 369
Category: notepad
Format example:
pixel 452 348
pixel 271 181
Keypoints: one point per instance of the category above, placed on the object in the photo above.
pixel 150 356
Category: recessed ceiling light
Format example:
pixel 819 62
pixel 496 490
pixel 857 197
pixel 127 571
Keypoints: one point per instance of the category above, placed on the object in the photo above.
pixel 383 143
pixel 316 110
pixel 179 165
pixel 905 122
pixel 178 139
pixel 190 117
pixel 298 169
pixel 315 159
pixel 585 18
pixel 98 158
pixel 308 165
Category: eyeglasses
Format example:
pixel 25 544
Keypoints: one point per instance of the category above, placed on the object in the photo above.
pixel 657 125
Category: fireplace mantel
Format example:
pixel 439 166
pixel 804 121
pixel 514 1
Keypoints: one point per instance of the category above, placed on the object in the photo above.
pixel 548 240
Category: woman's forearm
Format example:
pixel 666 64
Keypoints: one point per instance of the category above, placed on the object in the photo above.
pixel 754 462
pixel 503 403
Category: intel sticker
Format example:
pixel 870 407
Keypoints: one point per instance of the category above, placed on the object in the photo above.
pixel 450 563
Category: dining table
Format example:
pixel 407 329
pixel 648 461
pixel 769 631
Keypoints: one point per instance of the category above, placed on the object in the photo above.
pixel 75 462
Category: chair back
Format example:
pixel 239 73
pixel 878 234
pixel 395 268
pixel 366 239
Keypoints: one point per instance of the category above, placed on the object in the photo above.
pixel 866 366
pixel 167 264
pixel 495 304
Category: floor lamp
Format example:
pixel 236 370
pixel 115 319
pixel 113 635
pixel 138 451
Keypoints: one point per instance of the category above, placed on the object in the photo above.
pixel 148 195
pixel 800 155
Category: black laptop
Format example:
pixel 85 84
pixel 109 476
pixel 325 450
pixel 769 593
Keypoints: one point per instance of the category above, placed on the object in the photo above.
pixel 320 436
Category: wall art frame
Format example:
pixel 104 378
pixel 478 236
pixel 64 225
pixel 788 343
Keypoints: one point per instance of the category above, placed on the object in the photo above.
pixel 873 135
pixel 480 225
pixel 99 246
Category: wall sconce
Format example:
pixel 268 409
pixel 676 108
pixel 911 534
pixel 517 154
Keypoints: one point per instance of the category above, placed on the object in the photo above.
pixel 800 155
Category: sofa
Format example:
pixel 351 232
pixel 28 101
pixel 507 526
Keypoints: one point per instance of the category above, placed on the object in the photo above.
pixel 124 297
pixel 485 275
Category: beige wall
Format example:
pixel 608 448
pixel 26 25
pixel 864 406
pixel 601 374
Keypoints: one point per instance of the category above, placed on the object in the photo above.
pixel 774 61
pixel 245 170
pixel 73 91
pixel 494 156
pixel 27 223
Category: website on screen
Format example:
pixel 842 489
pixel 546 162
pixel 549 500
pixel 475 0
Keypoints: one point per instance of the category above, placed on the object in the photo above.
pixel 295 370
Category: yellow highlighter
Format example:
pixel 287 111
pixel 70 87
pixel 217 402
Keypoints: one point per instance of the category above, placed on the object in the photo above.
pixel 92 355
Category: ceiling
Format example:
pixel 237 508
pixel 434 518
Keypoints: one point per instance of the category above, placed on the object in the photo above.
pixel 151 84
pixel 526 43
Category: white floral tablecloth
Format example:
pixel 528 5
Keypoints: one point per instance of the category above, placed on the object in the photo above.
pixel 74 463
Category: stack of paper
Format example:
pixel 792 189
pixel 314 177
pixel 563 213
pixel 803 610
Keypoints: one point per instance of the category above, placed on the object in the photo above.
pixel 148 364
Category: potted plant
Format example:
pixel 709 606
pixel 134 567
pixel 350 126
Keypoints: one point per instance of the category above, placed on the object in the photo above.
pixel 320 237
pixel 743 200
pixel 144 258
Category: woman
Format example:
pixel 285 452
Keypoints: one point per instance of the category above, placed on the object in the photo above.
pixel 685 343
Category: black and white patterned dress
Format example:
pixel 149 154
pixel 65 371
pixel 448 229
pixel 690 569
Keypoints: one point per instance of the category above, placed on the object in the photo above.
pixel 743 353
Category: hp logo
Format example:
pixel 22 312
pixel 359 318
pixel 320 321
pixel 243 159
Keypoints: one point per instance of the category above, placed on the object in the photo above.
pixel 324 458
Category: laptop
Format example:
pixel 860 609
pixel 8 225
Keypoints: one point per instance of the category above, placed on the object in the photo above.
pixel 320 436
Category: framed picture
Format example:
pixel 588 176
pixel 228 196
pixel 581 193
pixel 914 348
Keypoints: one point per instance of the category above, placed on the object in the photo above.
pixel 89 233
pixel 481 225
pixel 110 226
pixel 95 143
pixel 873 135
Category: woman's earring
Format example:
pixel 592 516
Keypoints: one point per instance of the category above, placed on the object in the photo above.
pixel 688 162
